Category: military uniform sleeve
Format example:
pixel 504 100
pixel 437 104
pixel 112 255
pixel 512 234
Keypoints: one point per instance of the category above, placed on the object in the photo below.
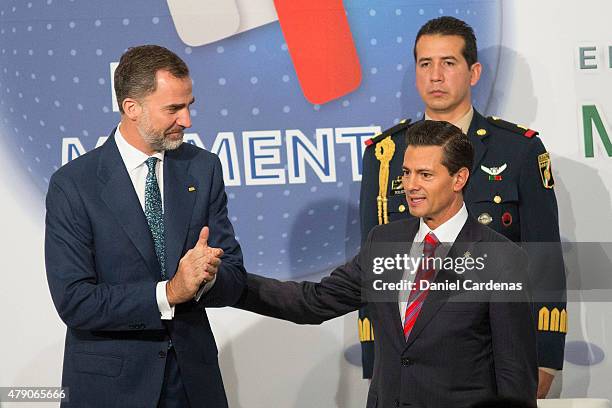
pixel 540 237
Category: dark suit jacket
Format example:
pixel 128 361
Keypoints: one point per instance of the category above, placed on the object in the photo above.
pixel 458 353
pixel 102 273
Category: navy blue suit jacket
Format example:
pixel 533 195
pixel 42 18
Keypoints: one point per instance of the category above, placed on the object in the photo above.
pixel 458 352
pixel 102 272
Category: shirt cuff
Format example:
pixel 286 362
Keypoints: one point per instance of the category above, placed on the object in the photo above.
pixel 165 310
pixel 550 371
pixel 207 286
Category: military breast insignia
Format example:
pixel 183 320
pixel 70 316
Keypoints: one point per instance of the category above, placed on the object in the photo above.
pixel 485 219
pixel 506 219
pixel 545 170
pixel 397 188
pixel 494 172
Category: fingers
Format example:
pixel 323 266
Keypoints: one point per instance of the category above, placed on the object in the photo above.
pixel 203 239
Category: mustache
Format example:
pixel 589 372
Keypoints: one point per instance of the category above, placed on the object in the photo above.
pixel 178 129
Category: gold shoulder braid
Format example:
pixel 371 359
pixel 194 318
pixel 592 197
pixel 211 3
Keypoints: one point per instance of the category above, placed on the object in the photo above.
pixel 384 152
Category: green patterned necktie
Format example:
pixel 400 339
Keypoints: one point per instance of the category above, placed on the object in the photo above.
pixel 155 214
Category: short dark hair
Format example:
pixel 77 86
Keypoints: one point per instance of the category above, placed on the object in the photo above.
pixel 135 74
pixel 447 25
pixel 457 149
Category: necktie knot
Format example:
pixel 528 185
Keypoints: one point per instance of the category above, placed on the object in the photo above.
pixel 151 162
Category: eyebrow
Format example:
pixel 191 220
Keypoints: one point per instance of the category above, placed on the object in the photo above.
pixel 180 105
pixel 420 170
pixel 444 58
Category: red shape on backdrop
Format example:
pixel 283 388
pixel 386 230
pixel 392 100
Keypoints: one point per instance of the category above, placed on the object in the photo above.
pixel 507 219
pixel 321 46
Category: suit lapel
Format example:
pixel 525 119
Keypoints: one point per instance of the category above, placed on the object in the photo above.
pixel 178 206
pixel 435 299
pixel 391 309
pixel 119 195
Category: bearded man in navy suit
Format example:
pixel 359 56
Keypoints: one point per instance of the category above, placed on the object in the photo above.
pixel 138 244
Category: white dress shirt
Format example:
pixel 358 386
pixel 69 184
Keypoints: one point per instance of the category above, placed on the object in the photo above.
pixel 446 233
pixel 135 163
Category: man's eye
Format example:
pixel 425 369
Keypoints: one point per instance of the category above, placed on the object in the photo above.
pixel 426 175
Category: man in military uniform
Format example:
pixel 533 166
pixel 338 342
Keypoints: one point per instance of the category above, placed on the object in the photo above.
pixel 510 188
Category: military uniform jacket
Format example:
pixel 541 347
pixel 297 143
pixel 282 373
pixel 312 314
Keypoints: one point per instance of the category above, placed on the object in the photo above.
pixel 511 191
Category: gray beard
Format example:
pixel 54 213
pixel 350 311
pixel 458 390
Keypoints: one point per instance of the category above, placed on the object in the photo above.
pixel 157 141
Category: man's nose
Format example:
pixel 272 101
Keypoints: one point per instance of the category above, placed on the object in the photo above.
pixel 436 73
pixel 410 183
pixel 184 118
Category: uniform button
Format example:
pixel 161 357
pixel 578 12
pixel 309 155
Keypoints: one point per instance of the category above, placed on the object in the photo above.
pixel 401 208
pixel 162 354
pixel 396 403
pixel 497 199
pixel 406 361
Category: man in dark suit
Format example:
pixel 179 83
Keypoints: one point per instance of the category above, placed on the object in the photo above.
pixel 137 245
pixel 441 347
pixel 510 188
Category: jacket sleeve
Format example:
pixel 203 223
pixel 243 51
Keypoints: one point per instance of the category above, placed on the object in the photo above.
pixel 513 332
pixel 307 302
pixel 231 277
pixel 540 237
pixel 81 300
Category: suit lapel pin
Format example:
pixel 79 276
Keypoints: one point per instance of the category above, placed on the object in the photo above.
pixel 191 189
pixel 494 172
pixel 467 254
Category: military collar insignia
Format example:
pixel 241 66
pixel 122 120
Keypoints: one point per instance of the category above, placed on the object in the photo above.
pixel 494 172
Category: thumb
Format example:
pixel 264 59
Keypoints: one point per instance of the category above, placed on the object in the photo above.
pixel 203 239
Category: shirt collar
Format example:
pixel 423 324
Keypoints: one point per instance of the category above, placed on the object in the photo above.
pixel 462 123
pixel 448 231
pixel 132 157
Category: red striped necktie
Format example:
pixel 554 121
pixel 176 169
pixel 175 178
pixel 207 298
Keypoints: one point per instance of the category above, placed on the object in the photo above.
pixel 426 272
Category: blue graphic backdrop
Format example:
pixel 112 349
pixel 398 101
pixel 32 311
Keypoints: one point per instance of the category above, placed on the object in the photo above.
pixel 55 84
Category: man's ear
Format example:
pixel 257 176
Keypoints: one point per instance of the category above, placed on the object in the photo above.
pixel 475 71
pixel 131 108
pixel 461 178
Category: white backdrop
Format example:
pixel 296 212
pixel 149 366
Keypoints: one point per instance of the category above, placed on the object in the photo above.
pixel 271 363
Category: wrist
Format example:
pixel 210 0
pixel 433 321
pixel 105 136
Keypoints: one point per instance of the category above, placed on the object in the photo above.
pixel 170 294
